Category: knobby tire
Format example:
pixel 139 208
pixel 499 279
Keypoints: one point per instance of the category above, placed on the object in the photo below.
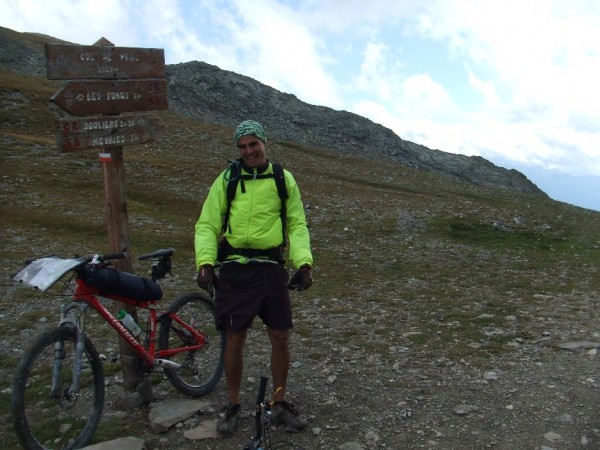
pixel 42 420
pixel 201 369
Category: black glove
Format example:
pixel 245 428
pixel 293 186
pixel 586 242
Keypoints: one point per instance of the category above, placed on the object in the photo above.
pixel 302 279
pixel 207 279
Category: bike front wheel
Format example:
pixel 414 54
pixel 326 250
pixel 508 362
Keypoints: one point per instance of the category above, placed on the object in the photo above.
pixel 46 413
pixel 200 369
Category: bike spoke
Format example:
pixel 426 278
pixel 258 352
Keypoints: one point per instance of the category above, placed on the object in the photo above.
pixel 200 369
pixel 56 418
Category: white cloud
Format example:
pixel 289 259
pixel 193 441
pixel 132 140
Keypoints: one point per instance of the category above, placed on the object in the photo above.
pixel 486 88
pixel 275 48
pixel 536 67
pixel 374 75
pixel 425 95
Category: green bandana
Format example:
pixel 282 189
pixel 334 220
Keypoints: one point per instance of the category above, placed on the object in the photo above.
pixel 250 127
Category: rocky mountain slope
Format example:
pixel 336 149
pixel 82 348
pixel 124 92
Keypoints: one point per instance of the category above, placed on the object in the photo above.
pixel 205 92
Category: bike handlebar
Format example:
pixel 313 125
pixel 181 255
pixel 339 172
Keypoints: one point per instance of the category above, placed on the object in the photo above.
pixel 112 256
pixel 98 258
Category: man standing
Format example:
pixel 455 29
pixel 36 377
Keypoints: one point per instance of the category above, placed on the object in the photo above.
pixel 254 221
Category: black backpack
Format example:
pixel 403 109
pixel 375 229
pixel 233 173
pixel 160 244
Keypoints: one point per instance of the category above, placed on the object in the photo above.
pixel 235 176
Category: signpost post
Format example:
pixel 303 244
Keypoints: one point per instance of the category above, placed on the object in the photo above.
pixel 105 81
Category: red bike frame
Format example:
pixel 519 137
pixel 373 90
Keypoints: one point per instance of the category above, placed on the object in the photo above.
pixel 89 295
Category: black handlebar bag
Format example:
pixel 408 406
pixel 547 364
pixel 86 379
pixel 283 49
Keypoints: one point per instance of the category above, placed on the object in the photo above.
pixel 113 282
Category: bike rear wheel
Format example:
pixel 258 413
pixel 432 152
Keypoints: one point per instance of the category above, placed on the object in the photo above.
pixel 58 420
pixel 200 369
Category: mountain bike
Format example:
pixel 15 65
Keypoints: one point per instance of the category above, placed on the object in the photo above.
pixel 262 421
pixel 58 388
pixel 262 417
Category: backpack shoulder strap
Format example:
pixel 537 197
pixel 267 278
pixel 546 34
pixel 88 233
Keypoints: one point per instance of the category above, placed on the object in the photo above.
pixel 280 181
pixel 232 176
pixel 283 195
pixel 234 172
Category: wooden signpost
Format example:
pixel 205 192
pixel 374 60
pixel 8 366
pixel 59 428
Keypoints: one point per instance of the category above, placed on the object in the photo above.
pixel 66 61
pixel 108 97
pixel 104 81
pixel 79 133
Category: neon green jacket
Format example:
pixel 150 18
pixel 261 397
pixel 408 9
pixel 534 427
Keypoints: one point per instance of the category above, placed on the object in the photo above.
pixel 254 219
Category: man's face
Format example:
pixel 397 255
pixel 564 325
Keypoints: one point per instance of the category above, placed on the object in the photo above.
pixel 252 151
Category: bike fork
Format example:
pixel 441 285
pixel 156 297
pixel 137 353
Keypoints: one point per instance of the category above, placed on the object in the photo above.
pixel 79 324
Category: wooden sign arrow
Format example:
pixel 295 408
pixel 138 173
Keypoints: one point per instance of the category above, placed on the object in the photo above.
pixel 80 98
pixel 68 61
pixel 79 133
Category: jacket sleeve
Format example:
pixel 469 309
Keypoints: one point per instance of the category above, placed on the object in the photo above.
pixel 208 227
pixel 297 229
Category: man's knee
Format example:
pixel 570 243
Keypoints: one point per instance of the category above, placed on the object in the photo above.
pixel 279 338
pixel 235 340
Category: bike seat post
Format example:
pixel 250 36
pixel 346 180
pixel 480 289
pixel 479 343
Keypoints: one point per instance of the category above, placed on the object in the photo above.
pixel 160 267
pixel 153 271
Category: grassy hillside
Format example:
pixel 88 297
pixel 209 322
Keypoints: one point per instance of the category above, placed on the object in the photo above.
pixel 403 257
pixel 379 230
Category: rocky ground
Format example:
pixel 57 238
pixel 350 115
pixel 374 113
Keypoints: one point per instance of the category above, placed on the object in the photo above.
pixel 543 394
pixel 543 399
pixel 408 339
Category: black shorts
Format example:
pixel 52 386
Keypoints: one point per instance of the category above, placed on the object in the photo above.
pixel 249 290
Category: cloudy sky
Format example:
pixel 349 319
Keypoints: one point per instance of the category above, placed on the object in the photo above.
pixel 514 81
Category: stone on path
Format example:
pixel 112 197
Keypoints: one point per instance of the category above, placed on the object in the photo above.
pixel 130 443
pixel 206 430
pixel 165 414
pixel 579 344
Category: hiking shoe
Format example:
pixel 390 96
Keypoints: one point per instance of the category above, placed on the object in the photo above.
pixel 285 413
pixel 229 421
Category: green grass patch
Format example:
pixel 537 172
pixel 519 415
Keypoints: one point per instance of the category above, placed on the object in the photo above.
pixel 472 231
